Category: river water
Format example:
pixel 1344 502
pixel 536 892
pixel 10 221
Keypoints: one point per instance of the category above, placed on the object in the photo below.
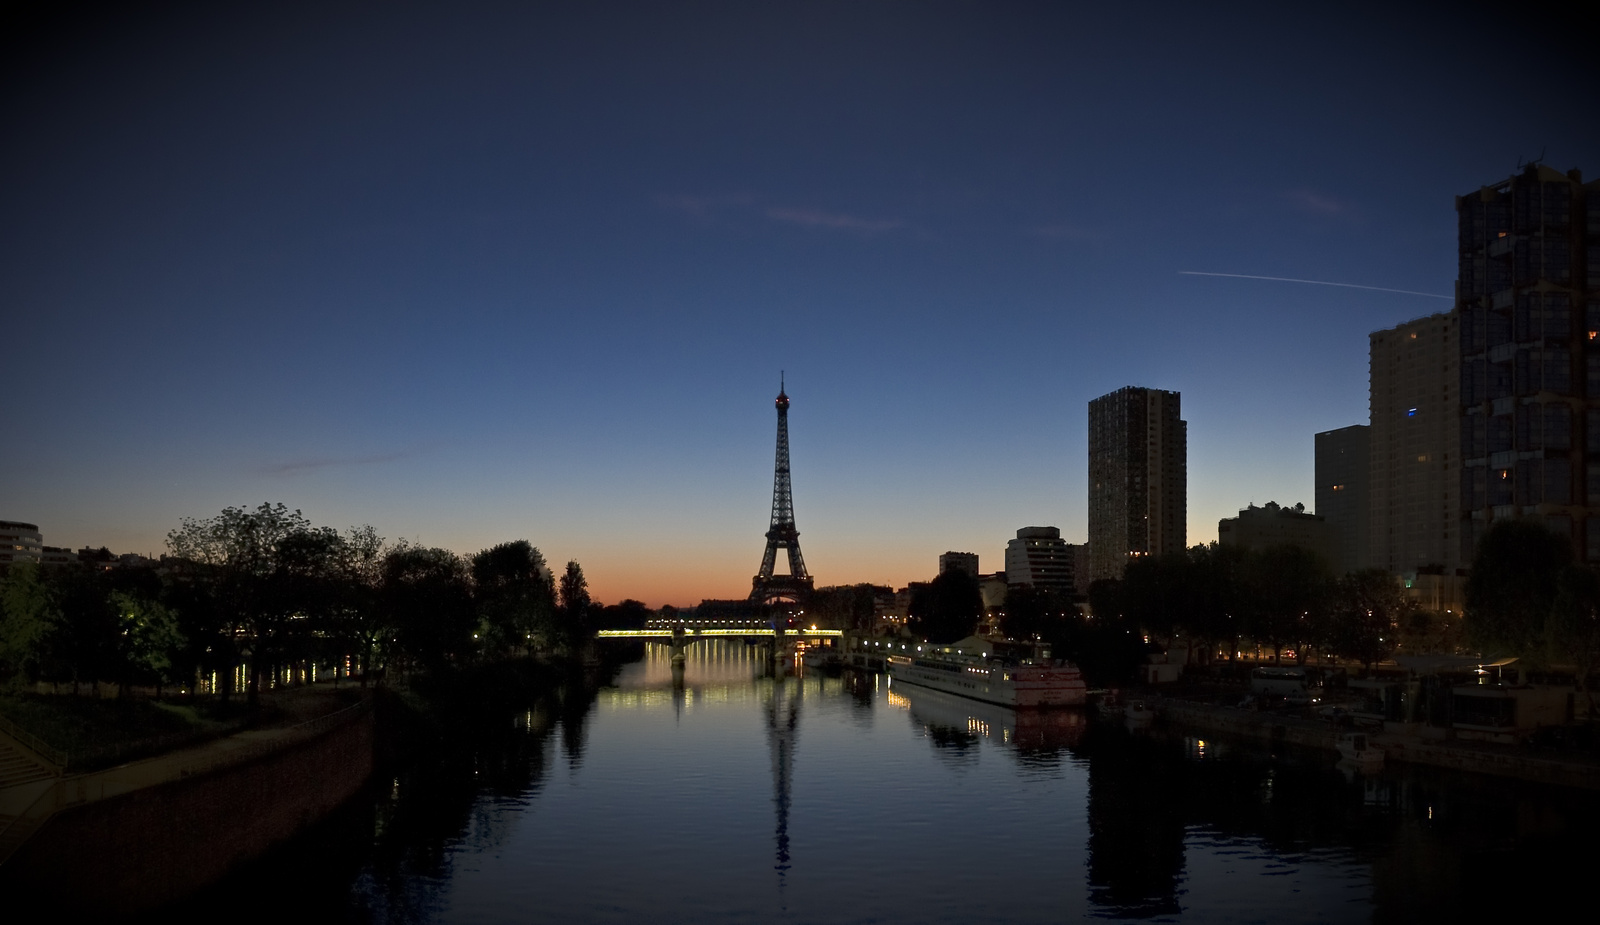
pixel 733 792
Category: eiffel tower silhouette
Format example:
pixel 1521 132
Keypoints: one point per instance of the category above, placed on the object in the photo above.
pixel 794 587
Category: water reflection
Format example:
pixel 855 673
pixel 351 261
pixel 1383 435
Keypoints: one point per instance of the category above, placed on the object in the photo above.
pixel 949 720
pixel 684 795
pixel 1136 828
pixel 782 716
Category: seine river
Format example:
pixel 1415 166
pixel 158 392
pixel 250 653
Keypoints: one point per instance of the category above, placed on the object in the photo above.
pixel 731 795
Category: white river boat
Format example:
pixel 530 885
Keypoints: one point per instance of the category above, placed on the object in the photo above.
pixel 1016 683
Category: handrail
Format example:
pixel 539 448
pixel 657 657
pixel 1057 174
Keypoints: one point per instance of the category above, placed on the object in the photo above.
pixel 35 744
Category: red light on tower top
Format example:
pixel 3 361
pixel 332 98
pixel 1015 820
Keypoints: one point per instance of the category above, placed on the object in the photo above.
pixel 783 400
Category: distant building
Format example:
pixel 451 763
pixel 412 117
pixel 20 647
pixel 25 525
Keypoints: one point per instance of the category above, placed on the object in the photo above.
pixel 964 561
pixel 101 560
pixel 1272 525
pixel 1528 299
pixel 1138 478
pixel 1041 558
pixel 1413 449
pixel 1342 469
pixel 55 556
pixel 20 542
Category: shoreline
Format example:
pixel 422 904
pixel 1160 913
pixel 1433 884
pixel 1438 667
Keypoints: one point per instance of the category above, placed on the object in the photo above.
pixel 1476 757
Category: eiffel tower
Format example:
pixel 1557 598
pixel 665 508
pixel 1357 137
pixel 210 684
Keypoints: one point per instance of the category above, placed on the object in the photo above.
pixel 794 587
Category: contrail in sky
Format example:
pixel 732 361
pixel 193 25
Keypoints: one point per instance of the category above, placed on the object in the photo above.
pixel 1314 282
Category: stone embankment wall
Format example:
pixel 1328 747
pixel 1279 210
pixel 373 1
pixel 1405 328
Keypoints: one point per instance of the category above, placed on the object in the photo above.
pixel 1289 729
pixel 1502 761
pixel 141 849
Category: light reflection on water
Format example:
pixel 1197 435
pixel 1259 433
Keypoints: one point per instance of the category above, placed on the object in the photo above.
pixel 732 791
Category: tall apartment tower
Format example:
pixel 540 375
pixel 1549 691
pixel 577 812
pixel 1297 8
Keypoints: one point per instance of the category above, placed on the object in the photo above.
pixel 1414 440
pixel 1138 478
pixel 1528 293
pixel 1342 466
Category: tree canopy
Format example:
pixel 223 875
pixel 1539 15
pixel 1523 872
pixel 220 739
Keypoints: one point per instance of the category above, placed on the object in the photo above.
pixel 947 608
pixel 1512 588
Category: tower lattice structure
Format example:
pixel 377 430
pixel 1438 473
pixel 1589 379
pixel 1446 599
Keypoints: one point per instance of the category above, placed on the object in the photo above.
pixel 768 588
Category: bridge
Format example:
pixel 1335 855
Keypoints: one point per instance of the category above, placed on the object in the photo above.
pixel 700 632
pixel 680 636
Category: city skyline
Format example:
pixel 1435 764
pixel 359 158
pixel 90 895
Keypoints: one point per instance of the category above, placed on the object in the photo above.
pixel 474 276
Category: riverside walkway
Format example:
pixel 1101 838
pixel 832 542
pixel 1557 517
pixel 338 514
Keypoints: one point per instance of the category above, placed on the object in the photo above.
pixel 33 787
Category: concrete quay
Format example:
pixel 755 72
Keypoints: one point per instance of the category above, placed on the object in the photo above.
pixel 136 836
pixel 1404 745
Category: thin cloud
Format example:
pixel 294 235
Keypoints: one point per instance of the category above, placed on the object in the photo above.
pixel 837 221
pixel 1315 282
pixel 699 206
pixel 297 467
pixel 1318 204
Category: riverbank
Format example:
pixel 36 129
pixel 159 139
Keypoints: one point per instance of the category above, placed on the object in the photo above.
pixel 1476 757
pixel 145 834
pixel 132 837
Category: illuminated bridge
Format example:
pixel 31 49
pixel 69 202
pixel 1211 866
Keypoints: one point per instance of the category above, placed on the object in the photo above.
pixel 754 631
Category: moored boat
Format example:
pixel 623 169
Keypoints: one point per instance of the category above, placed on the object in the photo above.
pixel 1017 683
pixel 1138 714
pixel 1357 748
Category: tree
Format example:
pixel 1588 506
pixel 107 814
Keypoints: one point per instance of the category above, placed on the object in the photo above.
pixel 28 614
pixel 82 645
pixel 947 608
pixel 628 615
pixel 237 553
pixel 363 628
pixel 1367 612
pixel 1574 624
pixel 1216 602
pixel 514 595
pixel 426 597
pixel 1511 589
pixel 147 640
pixel 1032 612
pixel 574 613
pixel 1289 592
pixel 1156 592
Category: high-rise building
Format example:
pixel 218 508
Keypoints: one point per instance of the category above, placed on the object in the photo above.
pixel 1413 447
pixel 1342 461
pixel 1138 478
pixel 1040 557
pixel 962 561
pixel 1528 295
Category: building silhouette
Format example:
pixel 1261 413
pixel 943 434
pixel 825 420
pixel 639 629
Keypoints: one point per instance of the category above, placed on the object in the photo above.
pixel 1138 478
pixel 768 586
pixel 1342 462
pixel 1528 298
pixel 1414 462
pixel 1041 558
pixel 1273 525
pixel 964 561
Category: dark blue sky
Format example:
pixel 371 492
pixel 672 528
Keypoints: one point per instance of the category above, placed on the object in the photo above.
pixel 474 272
